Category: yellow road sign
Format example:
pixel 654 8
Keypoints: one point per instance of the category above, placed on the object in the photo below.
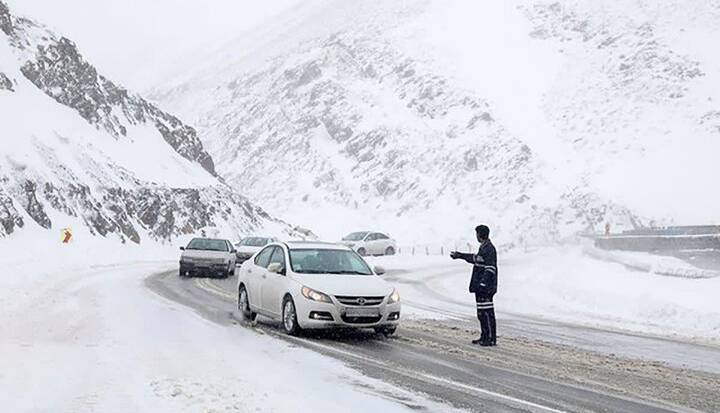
pixel 66 235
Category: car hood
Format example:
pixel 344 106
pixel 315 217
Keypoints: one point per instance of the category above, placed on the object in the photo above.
pixel 353 285
pixel 204 254
pixel 247 249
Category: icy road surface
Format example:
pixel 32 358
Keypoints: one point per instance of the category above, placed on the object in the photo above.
pixel 433 357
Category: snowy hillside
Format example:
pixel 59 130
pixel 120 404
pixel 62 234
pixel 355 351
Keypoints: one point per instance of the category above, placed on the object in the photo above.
pixel 78 149
pixel 427 117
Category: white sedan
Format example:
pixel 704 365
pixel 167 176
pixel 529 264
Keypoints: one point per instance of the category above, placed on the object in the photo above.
pixel 370 243
pixel 311 285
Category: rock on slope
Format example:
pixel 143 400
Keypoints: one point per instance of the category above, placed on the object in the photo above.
pixel 80 149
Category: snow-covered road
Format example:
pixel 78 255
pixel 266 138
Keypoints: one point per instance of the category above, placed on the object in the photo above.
pixel 433 357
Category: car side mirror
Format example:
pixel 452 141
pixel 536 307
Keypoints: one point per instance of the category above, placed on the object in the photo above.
pixel 379 270
pixel 276 268
pixel 233 251
pixel 182 248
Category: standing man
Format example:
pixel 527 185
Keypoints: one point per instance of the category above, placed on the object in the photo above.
pixel 483 284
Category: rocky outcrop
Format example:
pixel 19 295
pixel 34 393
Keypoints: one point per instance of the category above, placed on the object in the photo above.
pixel 60 71
pixel 58 176
pixel 29 201
pixel 6 83
pixel 158 212
pixel 6 23
pixel 10 218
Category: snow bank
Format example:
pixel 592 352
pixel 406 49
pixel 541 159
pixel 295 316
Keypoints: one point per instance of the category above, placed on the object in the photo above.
pixel 661 265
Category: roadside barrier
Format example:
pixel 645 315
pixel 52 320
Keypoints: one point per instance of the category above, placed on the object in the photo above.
pixel 435 249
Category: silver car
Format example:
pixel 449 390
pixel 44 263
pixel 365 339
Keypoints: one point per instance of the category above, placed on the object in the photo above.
pixel 207 256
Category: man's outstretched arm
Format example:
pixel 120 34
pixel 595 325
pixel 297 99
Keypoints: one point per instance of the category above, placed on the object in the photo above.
pixel 468 257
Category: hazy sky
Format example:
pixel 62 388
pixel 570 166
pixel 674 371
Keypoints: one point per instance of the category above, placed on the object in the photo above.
pixel 138 42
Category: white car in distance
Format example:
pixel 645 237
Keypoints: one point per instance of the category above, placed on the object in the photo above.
pixel 247 247
pixel 370 243
pixel 312 285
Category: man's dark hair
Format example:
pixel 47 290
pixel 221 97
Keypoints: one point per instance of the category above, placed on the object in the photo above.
pixel 483 231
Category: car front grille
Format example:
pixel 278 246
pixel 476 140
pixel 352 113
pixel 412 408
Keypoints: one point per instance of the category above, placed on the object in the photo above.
pixel 208 261
pixel 361 320
pixel 361 301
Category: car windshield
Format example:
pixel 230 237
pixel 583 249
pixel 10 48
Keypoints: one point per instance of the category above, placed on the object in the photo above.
pixel 327 261
pixel 255 242
pixel 355 236
pixel 207 244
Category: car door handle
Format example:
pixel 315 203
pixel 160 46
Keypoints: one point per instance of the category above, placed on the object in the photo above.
pixel 264 275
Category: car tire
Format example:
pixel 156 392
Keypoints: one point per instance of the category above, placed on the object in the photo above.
pixel 230 270
pixel 386 331
pixel 362 252
pixel 289 317
pixel 389 251
pixel 244 305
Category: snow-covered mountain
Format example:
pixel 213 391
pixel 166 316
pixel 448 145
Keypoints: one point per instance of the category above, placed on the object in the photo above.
pixel 81 151
pixel 426 117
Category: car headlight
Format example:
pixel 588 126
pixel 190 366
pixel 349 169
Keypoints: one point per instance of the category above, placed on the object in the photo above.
pixel 394 297
pixel 311 294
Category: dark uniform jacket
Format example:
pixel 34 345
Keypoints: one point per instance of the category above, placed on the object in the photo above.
pixel 484 275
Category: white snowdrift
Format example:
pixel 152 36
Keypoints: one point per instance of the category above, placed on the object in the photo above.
pixel 662 265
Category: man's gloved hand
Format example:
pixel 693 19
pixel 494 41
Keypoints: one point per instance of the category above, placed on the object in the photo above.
pixel 454 255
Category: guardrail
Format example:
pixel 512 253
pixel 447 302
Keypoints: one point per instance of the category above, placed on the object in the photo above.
pixel 676 230
pixel 435 249
pixel 649 243
pixel 663 239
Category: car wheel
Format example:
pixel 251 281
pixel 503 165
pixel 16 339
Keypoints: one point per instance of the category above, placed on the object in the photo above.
pixel 362 252
pixel 389 251
pixel 386 331
pixel 230 270
pixel 289 319
pixel 244 305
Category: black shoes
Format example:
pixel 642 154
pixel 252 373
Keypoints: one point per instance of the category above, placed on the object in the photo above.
pixel 484 343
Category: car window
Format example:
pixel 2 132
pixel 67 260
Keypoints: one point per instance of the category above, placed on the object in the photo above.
pixel 355 236
pixel 206 244
pixel 278 257
pixel 326 261
pixel 256 241
pixel 263 259
pixel 371 237
pixel 381 236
